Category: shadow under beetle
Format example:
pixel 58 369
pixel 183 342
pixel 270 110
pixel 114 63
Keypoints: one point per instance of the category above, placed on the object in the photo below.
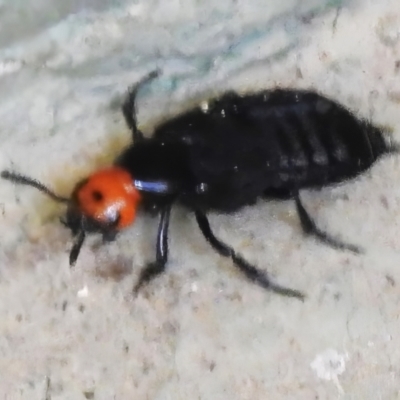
pixel 223 157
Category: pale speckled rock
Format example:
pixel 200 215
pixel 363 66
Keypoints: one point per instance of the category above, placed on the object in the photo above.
pixel 200 331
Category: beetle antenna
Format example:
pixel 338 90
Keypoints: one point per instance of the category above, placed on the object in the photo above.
pixel 76 248
pixel 24 180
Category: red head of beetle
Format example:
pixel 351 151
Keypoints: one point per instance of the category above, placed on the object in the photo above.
pixel 107 197
pixel 105 202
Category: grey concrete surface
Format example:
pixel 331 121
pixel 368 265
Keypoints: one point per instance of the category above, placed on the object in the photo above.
pixel 200 331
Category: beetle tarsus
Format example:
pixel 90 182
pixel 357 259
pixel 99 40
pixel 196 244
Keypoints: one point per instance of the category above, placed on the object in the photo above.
pixel 153 269
pixel 250 271
pixel 148 273
pixel 310 228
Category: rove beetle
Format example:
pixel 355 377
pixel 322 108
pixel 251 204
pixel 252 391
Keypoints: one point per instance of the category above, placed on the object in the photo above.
pixel 223 157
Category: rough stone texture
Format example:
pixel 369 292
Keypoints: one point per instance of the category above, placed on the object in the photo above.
pixel 200 331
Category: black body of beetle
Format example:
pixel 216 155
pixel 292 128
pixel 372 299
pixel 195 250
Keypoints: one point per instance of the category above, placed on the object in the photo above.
pixel 223 157
pixel 239 148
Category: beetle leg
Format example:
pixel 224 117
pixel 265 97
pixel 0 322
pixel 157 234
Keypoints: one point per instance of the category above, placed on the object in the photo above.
pixel 129 106
pixel 310 228
pixel 251 272
pixel 109 236
pixel 157 267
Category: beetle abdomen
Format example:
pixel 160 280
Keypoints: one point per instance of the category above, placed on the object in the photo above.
pixel 314 141
pixel 273 143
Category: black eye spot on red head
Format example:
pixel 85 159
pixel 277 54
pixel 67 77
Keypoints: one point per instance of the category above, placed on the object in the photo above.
pixel 97 196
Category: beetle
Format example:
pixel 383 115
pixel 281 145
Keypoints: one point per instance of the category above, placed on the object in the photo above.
pixel 222 157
